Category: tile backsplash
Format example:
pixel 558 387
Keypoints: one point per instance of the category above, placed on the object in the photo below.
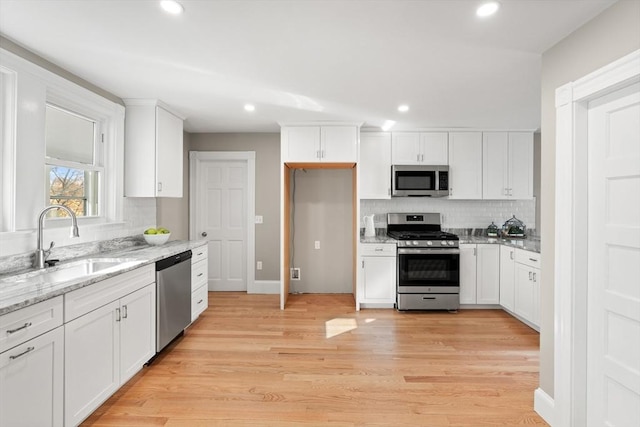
pixel 455 213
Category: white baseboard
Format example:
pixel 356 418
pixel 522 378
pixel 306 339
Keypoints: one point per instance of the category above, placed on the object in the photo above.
pixel 543 404
pixel 265 287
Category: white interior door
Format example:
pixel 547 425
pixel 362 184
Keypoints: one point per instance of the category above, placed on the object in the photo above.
pixel 613 337
pixel 222 205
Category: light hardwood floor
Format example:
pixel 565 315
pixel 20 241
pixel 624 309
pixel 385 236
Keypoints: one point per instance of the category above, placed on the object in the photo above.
pixel 246 363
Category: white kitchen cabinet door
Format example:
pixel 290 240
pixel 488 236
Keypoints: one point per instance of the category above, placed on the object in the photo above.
pixel 507 277
pixel 405 148
pixel 137 331
pixel 520 165
pixel 168 154
pixel 434 147
pixel 153 150
pixel 375 165
pixel 527 293
pixel 31 382
pixel 300 144
pixel 465 165
pixel 468 274
pixel 91 361
pixel 488 274
pixel 420 148
pixel 495 170
pixel 379 279
pixel 507 171
pixel 339 144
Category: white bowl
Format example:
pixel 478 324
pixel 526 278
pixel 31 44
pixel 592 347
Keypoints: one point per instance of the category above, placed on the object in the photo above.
pixel 156 239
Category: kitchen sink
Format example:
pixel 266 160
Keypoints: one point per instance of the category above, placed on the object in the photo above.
pixel 77 269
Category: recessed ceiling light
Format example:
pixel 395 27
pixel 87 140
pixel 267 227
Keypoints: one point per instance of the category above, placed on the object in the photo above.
pixel 388 124
pixel 488 8
pixel 172 7
pixel 249 107
pixel 403 108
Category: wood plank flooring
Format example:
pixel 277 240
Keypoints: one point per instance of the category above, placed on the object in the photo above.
pixel 320 363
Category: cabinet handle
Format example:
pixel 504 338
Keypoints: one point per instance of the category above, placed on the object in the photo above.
pixel 362 263
pixel 200 274
pixel 451 191
pixel 534 277
pixel 200 302
pixel 533 259
pixel 203 234
pixel 511 255
pixel 417 157
pixel 159 186
pixel 117 314
pixel 28 350
pixel 474 251
pixel 530 275
pixel 379 249
pixel 124 311
pixel 322 152
pixel 200 253
pixel 318 154
pixel 13 331
pixel 422 158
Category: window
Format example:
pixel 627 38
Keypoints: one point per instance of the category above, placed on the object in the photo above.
pixel 73 162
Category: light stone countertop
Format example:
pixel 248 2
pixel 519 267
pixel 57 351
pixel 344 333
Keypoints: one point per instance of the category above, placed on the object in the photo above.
pixel 21 290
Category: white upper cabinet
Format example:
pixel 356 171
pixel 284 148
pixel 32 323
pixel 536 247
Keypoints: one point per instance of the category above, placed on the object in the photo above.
pixel 153 150
pixel 507 165
pixel 465 165
pixel 312 144
pixel 374 166
pixel 420 148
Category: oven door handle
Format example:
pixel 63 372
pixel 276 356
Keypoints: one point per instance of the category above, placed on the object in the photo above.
pixel 416 251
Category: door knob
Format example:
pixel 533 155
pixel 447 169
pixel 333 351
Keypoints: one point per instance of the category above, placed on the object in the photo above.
pixel 204 234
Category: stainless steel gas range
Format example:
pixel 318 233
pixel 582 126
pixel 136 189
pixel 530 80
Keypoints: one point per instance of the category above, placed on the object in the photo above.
pixel 428 267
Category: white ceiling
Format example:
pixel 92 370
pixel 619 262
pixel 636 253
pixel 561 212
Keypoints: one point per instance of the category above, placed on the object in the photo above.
pixel 308 60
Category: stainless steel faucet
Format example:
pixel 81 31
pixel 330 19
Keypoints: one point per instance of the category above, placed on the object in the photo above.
pixel 41 254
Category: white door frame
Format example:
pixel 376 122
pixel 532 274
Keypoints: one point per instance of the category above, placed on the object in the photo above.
pixel 195 158
pixel 568 406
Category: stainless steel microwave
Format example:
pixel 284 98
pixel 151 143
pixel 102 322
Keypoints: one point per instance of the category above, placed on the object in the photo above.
pixel 419 181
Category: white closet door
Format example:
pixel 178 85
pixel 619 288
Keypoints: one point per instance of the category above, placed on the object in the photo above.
pixel 613 337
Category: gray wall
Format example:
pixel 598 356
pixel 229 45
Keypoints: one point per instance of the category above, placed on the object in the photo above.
pixel 267 149
pixel 609 36
pixel 323 211
pixel 537 151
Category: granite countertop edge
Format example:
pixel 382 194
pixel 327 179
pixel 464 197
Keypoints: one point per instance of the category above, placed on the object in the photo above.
pixel 532 245
pixel 15 295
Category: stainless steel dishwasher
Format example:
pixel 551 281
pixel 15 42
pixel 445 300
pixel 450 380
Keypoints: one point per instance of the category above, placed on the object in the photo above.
pixel 173 297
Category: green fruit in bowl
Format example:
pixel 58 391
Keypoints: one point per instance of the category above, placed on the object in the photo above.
pixel 165 231
pixel 150 231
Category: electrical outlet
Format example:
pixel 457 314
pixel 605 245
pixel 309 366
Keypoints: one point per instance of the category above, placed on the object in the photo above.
pixel 259 219
pixel 317 244
pixel 295 274
pixel 259 265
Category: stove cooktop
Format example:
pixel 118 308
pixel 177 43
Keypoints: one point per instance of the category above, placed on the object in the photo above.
pixel 422 235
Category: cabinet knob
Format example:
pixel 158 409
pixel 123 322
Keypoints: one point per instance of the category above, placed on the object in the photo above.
pixel 204 234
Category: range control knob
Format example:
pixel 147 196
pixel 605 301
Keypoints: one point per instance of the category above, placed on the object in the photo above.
pixel 429 243
pixel 415 243
pixel 443 243
pixel 452 243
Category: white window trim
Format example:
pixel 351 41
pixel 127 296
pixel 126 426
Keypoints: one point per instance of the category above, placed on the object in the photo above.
pixel 68 95
pixel 7 146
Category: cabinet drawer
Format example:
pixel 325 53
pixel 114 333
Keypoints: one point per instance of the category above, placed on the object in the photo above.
pixel 199 301
pixel 22 325
pixel 532 259
pixel 199 254
pixel 199 275
pixel 382 249
pixel 84 300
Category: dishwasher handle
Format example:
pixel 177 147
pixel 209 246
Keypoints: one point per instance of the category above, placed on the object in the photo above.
pixel 173 260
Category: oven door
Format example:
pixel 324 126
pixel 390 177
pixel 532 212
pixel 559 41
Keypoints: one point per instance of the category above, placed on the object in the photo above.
pixel 428 270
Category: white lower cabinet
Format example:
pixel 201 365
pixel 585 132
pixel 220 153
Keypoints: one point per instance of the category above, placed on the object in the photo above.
pixel 377 275
pixel 507 277
pixel 199 282
pixel 106 346
pixel 527 287
pixel 479 274
pixel 31 382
